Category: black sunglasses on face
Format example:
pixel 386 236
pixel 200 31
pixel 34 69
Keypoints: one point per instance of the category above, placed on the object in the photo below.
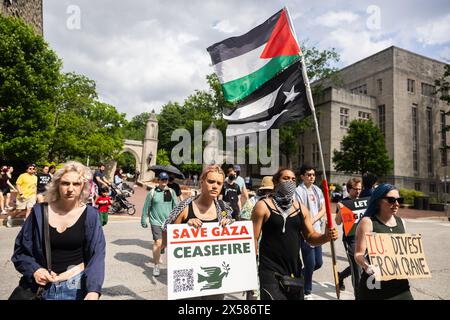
pixel 392 200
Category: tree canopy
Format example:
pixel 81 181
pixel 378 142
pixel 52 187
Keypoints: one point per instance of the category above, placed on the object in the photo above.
pixel 363 150
pixel 47 115
pixel 29 78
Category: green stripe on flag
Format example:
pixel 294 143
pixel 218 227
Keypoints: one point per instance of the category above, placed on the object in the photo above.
pixel 238 89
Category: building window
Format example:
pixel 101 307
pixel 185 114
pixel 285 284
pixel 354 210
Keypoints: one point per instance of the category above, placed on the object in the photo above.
pixel 415 141
pixel 301 155
pixel 443 140
pixel 432 188
pixel 315 155
pixel 430 141
pixel 411 85
pixel 363 115
pixel 418 186
pixel 428 90
pixel 344 117
pixel 360 89
pixel 380 85
pixel 382 119
pixel 445 187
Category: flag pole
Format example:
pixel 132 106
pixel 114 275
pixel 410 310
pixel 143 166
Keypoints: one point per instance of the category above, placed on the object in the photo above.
pixel 324 180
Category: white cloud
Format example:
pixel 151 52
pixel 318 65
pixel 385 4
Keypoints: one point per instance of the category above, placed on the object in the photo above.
pixel 225 26
pixel 143 54
pixel 444 54
pixel 435 32
pixel 336 18
pixel 355 45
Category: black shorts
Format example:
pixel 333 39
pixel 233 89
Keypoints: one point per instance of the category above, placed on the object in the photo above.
pixel 6 190
pixel 156 232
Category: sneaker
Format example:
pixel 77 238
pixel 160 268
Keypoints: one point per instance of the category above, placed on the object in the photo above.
pixel 309 297
pixel 9 222
pixel 156 271
pixel 4 212
pixel 341 282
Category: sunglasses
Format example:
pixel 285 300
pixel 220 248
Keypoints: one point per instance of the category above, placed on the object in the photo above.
pixel 392 200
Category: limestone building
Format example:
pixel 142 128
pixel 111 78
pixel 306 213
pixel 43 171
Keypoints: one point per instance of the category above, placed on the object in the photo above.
pixel 394 88
pixel 31 11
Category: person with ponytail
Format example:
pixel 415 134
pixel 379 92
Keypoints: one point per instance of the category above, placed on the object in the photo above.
pixel 282 220
pixel 380 217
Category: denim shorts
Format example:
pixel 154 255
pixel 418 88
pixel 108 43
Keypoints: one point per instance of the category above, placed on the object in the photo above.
pixel 71 289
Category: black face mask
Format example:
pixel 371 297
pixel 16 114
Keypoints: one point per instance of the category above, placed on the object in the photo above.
pixel 231 177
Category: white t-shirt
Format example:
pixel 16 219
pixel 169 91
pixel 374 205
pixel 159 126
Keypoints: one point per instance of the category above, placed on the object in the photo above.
pixel 313 199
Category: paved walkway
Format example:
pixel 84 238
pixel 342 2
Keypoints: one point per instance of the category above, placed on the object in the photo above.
pixel 129 268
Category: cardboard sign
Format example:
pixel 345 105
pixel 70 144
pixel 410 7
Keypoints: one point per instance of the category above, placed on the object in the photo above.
pixel 210 260
pixel 397 256
pixel 351 213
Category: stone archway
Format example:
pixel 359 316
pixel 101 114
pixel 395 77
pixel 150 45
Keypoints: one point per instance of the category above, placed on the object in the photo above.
pixel 144 152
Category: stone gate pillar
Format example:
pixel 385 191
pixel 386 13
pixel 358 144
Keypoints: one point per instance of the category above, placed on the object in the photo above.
pixel 150 148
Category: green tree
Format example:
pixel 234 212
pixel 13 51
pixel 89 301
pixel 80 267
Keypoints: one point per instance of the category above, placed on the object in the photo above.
pixel 443 89
pixel 127 162
pixel 84 126
pixel 162 158
pixel 135 129
pixel 363 150
pixel 29 78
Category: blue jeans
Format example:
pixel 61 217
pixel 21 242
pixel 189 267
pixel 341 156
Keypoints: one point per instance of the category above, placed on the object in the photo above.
pixel 71 289
pixel 312 260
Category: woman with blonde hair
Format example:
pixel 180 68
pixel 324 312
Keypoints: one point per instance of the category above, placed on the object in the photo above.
pixel 203 208
pixel 77 242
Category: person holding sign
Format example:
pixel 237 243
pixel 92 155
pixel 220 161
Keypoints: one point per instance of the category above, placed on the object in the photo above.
pixel 354 189
pixel 380 217
pixel 282 220
pixel 203 208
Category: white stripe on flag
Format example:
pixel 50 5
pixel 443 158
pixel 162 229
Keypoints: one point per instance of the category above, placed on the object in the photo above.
pixel 254 108
pixel 251 127
pixel 241 66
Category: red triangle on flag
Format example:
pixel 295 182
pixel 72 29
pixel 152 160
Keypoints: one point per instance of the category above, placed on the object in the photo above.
pixel 281 41
pixel 348 217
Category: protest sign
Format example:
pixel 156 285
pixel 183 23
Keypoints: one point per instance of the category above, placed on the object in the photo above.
pixel 397 256
pixel 210 260
pixel 351 212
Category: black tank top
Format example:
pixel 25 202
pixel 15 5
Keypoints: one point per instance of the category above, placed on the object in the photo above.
pixel 191 215
pixel 391 288
pixel 67 247
pixel 278 251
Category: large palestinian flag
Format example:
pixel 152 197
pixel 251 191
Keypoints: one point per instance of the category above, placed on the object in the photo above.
pixel 245 63
pixel 279 100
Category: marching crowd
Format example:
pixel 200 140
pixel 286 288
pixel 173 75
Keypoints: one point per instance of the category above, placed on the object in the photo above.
pixel 288 224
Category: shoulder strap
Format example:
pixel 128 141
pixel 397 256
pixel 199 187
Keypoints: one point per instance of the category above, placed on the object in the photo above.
pixel 48 253
pixel 221 205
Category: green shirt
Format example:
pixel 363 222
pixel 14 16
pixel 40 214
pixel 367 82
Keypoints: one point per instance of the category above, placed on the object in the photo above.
pixel 156 207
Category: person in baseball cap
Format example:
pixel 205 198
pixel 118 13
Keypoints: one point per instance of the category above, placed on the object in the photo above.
pixel 163 176
pixel 160 201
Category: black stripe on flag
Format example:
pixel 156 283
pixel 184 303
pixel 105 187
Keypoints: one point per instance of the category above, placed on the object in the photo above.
pixel 290 79
pixel 237 46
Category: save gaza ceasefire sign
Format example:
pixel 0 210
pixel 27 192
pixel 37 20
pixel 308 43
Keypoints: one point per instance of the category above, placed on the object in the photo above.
pixel 210 260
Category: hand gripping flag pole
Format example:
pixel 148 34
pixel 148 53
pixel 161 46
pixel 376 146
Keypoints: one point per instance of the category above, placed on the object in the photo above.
pixel 324 180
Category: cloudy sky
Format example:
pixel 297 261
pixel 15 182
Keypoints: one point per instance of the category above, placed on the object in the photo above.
pixel 144 53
